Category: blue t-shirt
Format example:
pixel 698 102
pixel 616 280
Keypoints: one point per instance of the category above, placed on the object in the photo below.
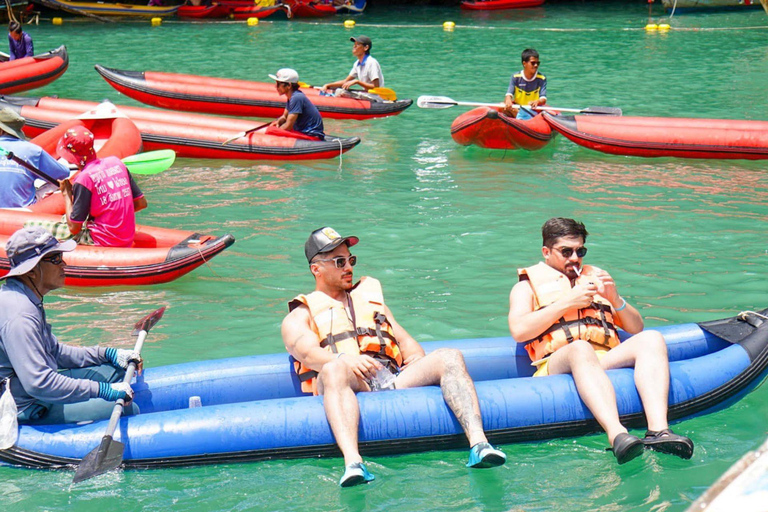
pixel 309 121
pixel 17 184
pixel 21 48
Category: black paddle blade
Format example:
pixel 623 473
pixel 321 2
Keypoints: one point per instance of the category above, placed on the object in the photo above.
pixel 146 323
pixel 606 111
pixel 106 457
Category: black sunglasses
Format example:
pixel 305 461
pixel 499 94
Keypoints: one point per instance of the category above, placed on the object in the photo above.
pixel 341 261
pixel 534 62
pixel 567 252
pixel 55 259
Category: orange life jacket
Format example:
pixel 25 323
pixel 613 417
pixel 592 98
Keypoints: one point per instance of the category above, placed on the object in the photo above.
pixel 593 323
pixel 363 329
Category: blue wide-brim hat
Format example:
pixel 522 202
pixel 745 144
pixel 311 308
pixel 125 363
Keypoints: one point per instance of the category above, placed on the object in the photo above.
pixel 27 246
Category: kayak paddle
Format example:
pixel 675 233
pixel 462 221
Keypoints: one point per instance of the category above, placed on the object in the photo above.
pixel 246 132
pixel 109 454
pixel 384 92
pixel 151 162
pixel 446 102
pixel 10 156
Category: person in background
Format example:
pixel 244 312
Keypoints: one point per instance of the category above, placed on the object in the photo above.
pixel 567 315
pixel 526 88
pixel 51 382
pixel 366 71
pixel 17 183
pixel 300 114
pixel 103 190
pixel 20 42
pixel 345 340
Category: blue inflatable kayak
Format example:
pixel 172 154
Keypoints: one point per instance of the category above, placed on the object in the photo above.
pixel 253 409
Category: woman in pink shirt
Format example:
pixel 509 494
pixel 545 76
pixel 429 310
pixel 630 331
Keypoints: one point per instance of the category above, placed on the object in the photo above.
pixel 103 190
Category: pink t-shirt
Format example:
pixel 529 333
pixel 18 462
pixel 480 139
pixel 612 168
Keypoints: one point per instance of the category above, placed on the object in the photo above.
pixel 105 190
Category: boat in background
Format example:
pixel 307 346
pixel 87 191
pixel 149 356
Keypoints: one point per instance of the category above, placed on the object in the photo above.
pixel 253 407
pixel 712 5
pixel 490 127
pixel 189 135
pixel 158 255
pixel 495 5
pixel 110 9
pixel 310 8
pixel 350 6
pixel 666 136
pixel 32 72
pixel 225 96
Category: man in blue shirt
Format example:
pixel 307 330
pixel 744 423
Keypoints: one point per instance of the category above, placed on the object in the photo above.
pixel 51 382
pixel 19 42
pixel 300 114
pixel 17 184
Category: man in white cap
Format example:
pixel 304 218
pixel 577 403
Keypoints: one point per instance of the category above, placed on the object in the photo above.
pixel 51 382
pixel 345 340
pixel 17 184
pixel 300 114
pixel 366 71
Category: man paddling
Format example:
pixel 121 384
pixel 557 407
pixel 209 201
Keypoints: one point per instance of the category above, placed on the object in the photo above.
pixel 17 183
pixel 346 340
pixel 51 382
pixel 527 88
pixel 300 114
pixel 567 315
pixel 366 71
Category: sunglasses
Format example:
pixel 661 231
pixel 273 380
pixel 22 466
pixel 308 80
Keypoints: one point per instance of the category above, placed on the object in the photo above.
pixel 567 252
pixel 341 261
pixel 281 84
pixel 534 62
pixel 56 259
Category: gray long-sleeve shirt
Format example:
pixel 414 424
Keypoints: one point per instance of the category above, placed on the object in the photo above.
pixel 30 352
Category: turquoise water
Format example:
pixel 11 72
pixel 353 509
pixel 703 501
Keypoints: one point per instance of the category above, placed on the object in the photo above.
pixel 443 227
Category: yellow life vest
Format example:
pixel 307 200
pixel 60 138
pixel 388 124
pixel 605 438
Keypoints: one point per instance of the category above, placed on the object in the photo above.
pixel 593 323
pixel 362 329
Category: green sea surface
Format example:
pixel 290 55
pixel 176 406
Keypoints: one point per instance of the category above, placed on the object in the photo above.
pixel 444 227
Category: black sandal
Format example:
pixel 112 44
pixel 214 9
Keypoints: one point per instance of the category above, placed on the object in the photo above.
pixel 666 441
pixel 626 447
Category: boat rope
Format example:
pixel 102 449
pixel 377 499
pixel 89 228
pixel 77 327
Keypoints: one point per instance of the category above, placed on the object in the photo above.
pixel 202 256
pixel 674 6
pixel 745 313
pixel 341 152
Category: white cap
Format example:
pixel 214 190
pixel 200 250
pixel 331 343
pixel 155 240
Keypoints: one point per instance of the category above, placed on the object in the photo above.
pixel 287 75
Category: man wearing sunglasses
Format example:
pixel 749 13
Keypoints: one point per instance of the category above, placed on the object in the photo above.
pixel 567 314
pixel 527 88
pixel 345 340
pixel 51 382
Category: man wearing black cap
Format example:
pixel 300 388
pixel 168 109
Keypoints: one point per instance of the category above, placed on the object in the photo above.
pixel 51 382
pixel 366 71
pixel 345 340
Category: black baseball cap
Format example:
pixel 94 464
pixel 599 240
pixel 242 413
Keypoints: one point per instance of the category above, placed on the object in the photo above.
pixel 325 240
pixel 363 40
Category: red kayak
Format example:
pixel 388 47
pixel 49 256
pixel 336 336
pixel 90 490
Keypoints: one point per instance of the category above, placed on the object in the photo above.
pixel 158 255
pixel 197 12
pixel 223 96
pixel 253 11
pixel 115 135
pixel 664 136
pixel 495 5
pixel 190 135
pixel 32 72
pixel 310 8
pixel 490 128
